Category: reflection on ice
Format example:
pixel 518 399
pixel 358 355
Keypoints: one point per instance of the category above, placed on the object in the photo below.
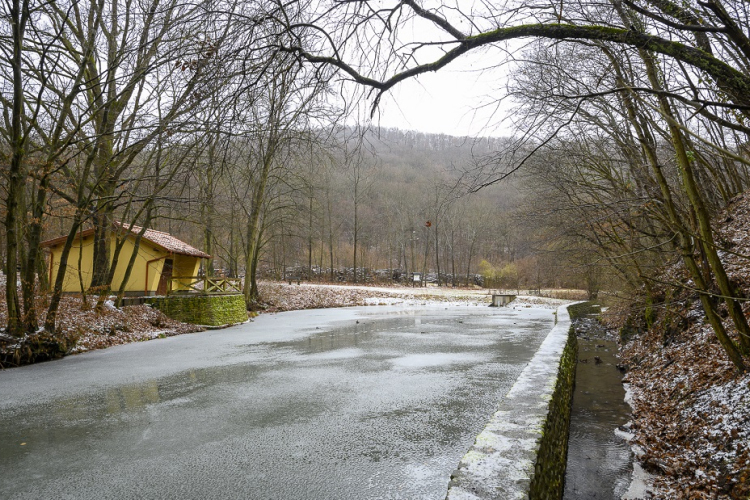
pixel 340 404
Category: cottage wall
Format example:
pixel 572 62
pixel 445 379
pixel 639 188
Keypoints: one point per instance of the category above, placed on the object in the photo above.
pixel 83 250
pixel 149 257
pixel 144 276
pixel 185 266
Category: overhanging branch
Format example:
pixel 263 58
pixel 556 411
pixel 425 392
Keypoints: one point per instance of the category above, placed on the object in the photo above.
pixel 736 83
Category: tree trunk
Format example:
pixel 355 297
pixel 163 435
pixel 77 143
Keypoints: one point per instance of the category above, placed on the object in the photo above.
pixel 437 252
pixel 356 235
pixel 253 228
pixel 310 237
pixel 50 321
pixel 33 239
pixel 453 259
pixel 102 220
pixel 16 178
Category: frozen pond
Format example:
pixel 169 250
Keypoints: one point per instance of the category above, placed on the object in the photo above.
pixel 373 402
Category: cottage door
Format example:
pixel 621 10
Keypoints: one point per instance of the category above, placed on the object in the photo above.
pixel 166 276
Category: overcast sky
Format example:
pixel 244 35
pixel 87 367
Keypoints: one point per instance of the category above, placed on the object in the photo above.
pixel 458 100
pixel 449 101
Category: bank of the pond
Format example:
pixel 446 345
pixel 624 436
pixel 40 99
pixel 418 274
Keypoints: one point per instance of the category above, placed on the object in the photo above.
pixel 690 408
pixel 82 327
pixel 521 452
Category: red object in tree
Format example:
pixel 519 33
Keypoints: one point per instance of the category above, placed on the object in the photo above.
pixel 428 224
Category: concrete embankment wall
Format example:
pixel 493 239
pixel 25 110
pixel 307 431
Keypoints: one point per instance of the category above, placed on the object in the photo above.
pixel 522 451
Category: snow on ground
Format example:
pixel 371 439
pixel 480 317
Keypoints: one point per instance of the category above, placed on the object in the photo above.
pixel 691 414
pixel 284 297
pixel 691 407
pixel 82 327
pixel 692 420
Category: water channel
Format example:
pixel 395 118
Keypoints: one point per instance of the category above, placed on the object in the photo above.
pixel 599 462
pixel 377 402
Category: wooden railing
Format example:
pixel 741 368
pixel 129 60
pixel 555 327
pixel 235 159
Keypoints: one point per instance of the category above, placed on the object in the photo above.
pixel 204 285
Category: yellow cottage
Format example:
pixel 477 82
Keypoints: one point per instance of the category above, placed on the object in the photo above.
pixel 160 257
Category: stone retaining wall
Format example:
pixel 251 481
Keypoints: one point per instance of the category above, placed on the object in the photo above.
pixel 209 310
pixel 522 451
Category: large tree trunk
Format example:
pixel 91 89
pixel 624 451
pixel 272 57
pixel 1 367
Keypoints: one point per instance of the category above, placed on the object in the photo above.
pixel 310 236
pixel 356 234
pixel 16 177
pixel 254 227
pixel 330 238
pixel 437 252
pixel 33 239
pixel 102 220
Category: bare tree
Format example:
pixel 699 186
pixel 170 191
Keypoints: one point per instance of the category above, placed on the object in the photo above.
pixel 695 60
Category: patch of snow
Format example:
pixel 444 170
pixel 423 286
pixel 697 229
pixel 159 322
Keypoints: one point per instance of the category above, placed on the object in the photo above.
pixel 640 486
pixel 628 394
pixel 695 314
pixel 624 435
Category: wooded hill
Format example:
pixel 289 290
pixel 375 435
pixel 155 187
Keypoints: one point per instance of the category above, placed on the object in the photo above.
pixel 380 188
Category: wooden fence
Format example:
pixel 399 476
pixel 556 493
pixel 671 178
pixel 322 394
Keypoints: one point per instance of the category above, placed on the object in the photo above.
pixel 205 285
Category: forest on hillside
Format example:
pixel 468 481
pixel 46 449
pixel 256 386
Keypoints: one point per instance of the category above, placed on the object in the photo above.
pixel 235 126
pixel 387 202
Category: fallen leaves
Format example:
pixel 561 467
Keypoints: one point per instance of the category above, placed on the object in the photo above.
pixel 691 409
pixel 85 328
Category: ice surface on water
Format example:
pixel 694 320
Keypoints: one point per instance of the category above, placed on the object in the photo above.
pixel 337 354
pixel 310 404
pixel 416 361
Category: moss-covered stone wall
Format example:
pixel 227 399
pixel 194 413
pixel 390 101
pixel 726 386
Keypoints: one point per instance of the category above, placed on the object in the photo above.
pixel 210 310
pixel 549 470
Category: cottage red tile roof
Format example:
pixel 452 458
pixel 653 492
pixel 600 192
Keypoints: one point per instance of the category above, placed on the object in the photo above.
pixel 169 242
pixel 159 238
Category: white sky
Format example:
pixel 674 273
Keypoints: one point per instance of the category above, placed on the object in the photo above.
pixel 459 100
pixel 444 102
